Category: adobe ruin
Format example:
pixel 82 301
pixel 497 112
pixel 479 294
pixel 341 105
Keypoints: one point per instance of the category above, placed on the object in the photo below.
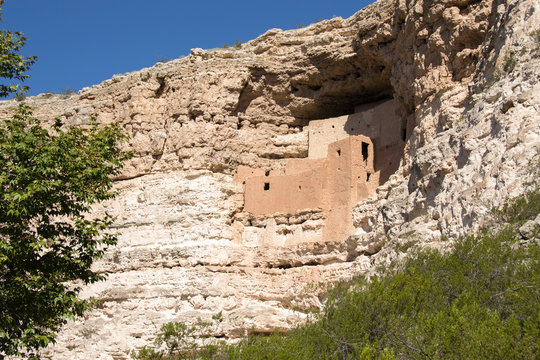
pixel 348 158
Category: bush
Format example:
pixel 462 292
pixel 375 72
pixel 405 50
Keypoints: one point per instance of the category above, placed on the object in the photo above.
pixel 162 58
pixel 66 92
pixel 237 45
pixel 510 62
pixel 536 36
pixel 176 341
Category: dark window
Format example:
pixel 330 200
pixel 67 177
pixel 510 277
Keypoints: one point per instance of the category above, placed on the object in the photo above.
pixel 339 152
pixel 367 177
pixel 267 173
pixel 266 186
pixel 365 151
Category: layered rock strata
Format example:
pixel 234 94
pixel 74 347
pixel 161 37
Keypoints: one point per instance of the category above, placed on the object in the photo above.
pixel 464 77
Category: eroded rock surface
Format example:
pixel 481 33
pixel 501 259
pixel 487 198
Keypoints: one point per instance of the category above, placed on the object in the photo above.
pixel 465 75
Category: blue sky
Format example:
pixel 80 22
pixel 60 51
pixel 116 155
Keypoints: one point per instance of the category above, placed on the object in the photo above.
pixel 83 42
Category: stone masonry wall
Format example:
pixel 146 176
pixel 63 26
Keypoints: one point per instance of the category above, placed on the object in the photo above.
pixel 339 171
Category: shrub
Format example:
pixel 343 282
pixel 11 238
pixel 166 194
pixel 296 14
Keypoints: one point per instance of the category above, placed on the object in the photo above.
pixel 521 209
pixel 162 58
pixel 536 36
pixel 67 91
pixel 510 62
pixel 176 341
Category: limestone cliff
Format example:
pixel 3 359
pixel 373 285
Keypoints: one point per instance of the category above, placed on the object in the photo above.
pixel 461 78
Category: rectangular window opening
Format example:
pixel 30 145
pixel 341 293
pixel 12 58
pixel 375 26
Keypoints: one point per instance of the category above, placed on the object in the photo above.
pixel 339 152
pixel 266 186
pixel 365 151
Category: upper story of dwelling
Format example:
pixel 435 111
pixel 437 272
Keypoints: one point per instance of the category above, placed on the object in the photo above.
pixel 378 121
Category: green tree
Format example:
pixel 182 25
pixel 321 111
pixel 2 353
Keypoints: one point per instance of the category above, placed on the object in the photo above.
pixel 13 65
pixel 48 182
pixel 49 179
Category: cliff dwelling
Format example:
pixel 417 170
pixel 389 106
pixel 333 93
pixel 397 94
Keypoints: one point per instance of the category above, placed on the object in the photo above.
pixel 348 158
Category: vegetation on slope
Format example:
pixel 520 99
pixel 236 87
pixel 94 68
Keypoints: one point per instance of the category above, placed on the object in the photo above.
pixel 480 300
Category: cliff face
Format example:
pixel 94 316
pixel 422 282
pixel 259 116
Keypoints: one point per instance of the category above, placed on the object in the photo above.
pixel 195 240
